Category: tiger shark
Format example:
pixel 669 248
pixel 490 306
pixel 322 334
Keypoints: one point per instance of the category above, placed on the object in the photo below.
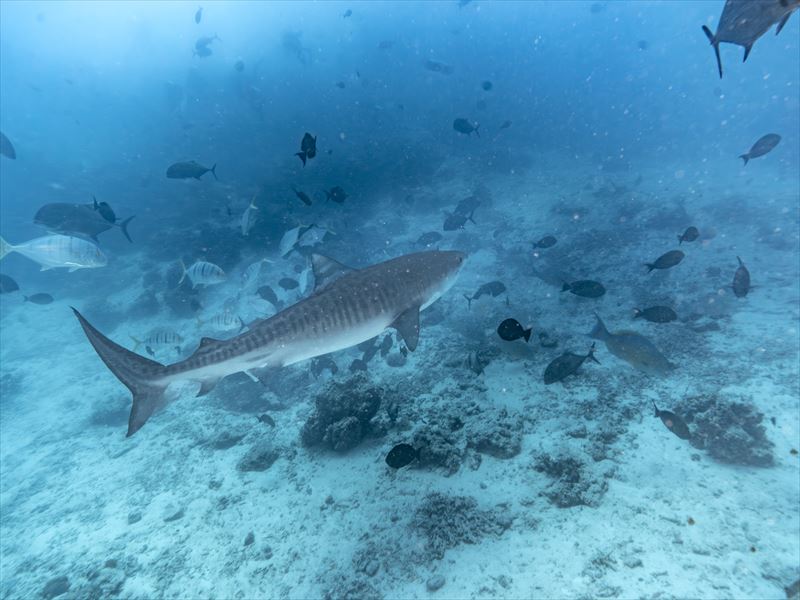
pixel 347 307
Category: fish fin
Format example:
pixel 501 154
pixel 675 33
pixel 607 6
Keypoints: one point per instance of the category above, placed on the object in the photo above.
pixel 5 248
pixel 136 343
pixel 565 287
pixel 302 156
pixel 782 23
pixel 590 356
pixel 214 171
pixel 469 301
pixel 124 227
pixel 476 130
pixel 599 331
pixel 712 38
pixel 206 385
pixel 183 268
pixel 96 205
pixel 407 325
pixel 745 158
pixel 527 334
pixel 747 52
pixel 680 240
pixel 741 264
pixel 242 326
pixel 658 412
pixel 650 266
pixel 136 372
pixel 469 218
pixel 326 270
pixel 636 313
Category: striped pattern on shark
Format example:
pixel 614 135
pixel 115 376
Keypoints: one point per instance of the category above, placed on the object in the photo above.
pixel 347 307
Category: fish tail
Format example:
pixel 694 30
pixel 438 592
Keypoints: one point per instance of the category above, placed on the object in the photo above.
pixel 302 156
pixel 565 287
pixel 96 205
pixel 712 39
pixel 5 248
pixel 476 130
pixel 745 158
pixel 242 326
pixel 741 264
pixel 137 373
pixel 590 356
pixel 200 322
pixel 124 227
pixel 650 266
pixel 136 343
pixel 24 298
pixel 469 301
pixel 469 218
pixel 599 331
pixel 680 240
pixel 527 334
pixel 183 269
pixel 636 313
pixel 214 171
pixel 658 412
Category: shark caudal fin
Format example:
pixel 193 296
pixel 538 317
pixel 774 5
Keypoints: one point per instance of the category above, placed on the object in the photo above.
pixel 136 372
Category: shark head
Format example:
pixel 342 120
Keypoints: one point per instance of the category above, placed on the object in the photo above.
pixel 442 268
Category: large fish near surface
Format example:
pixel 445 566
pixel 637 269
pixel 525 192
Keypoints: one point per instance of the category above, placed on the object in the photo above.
pixel 56 251
pixel 744 21
pixel 347 308
pixel 77 219
pixel 633 348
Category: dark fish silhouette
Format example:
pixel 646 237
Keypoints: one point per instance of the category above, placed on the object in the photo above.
pixel 674 423
pixel 763 146
pixel 357 365
pixel 430 238
pixel 457 221
pixel 266 419
pixel 304 198
pixel 105 210
pixel 467 205
pixel 288 283
pixel 204 42
pixel 741 280
pixel 438 67
pixel 655 314
pixel 39 298
pixel 239 65
pixel 511 330
pixel 199 15
pixel 585 288
pixel 6 147
pixel 7 285
pixel 347 13
pixel 487 85
pixel 690 235
pixel 386 345
pixel 337 194
pixel 202 52
pixel 320 363
pixel 401 455
pixel 505 125
pixel 308 147
pixel 547 241
pixel 744 21
pixel 77 219
pixel 268 294
pixel 666 260
pixel 635 349
pixel 189 170
pixel 465 127
pixel 493 289
pixel 566 364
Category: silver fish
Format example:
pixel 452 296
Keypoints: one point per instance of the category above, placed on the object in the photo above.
pixel 56 251
pixel 633 348
pixel 249 217
pixel 202 273
pixel 347 307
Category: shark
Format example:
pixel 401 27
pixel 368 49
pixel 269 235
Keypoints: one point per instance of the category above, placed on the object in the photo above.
pixel 347 307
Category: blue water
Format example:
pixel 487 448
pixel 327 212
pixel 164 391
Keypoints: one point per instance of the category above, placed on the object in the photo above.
pixel 605 125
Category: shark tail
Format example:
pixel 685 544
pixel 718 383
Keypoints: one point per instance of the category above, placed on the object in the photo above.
pixel 5 248
pixel 137 373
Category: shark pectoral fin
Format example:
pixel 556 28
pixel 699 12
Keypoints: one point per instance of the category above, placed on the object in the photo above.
pixel 326 270
pixel 407 325
pixel 206 386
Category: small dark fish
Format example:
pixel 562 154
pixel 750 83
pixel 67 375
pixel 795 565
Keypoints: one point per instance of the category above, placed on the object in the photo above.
pixel 239 65
pixel 674 423
pixel 204 42
pixel 666 260
pixel 430 238
pixel 288 283
pixel 386 345
pixel 642 45
pixel 198 15
pixel 438 67
pixel 266 419
pixel 690 235
pixel 585 288
pixel 493 289
pixel 6 147
pixel 337 194
pixel 597 8
pixel 486 85
pixel 358 365
pixel 82 219
pixel 763 146
pixel 465 127
pixel 7 285
pixel 149 350
pixel 39 298
pixel 105 210
pixel 467 205
pixel 340 85
pixel 308 148
pixel 741 280
pixel 457 221
pixel 744 21
pixel 511 330
pixel 268 294
pixel 202 52
pixel 347 13
pixel 566 364
pixel 304 198
pixel 655 314
pixel 189 170
pixel 505 125
pixel 547 241
pixel 401 456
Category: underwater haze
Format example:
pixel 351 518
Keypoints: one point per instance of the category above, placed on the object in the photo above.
pixel 458 299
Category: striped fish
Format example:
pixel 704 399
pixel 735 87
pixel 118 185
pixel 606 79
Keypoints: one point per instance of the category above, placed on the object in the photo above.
pixel 249 217
pixel 224 321
pixel 158 338
pixel 56 251
pixel 202 273
pixel 347 307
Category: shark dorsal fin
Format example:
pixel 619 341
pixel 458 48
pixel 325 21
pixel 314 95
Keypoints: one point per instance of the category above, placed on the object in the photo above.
pixel 326 270
pixel 407 325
